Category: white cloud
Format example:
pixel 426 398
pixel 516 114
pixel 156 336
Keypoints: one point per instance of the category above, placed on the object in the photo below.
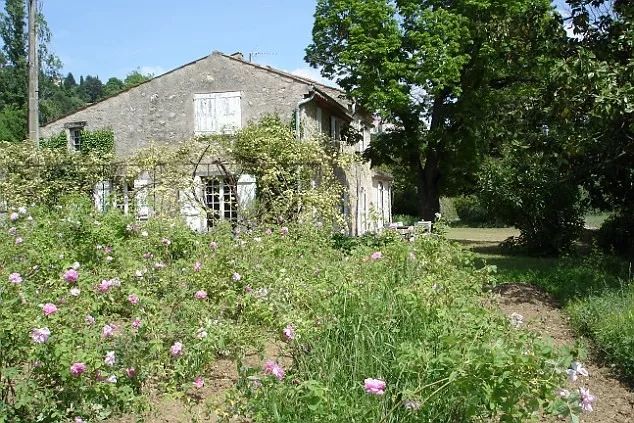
pixel 313 74
pixel 154 70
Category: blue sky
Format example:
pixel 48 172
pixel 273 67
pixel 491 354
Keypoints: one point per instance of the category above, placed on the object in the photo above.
pixel 113 37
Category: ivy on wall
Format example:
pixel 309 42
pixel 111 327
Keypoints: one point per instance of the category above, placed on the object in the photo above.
pixel 99 141
pixel 55 141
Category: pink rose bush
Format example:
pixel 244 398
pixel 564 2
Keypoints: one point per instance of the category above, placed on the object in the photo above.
pixel 200 295
pixel 133 299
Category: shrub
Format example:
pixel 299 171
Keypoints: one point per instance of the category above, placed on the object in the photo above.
pixel 533 191
pixel 617 234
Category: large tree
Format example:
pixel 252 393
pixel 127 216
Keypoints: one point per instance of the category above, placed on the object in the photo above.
pixel 447 74
pixel 595 99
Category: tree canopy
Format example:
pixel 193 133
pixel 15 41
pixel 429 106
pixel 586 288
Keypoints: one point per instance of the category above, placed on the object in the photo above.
pixel 444 73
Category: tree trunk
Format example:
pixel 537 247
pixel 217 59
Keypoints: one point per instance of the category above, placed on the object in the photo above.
pixel 429 166
pixel 428 179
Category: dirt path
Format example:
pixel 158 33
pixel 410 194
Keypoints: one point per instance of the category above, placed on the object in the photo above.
pixel 615 403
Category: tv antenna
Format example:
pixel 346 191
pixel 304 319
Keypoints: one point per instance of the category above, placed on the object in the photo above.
pixel 253 54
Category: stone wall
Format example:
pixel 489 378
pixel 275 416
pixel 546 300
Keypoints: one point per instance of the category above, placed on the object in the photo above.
pixel 162 109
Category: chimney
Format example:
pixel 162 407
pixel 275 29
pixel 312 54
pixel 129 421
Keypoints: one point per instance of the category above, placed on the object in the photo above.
pixel 238 55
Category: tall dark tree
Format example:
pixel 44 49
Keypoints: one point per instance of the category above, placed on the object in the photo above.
pixel 436 70
pixel 14 39
pixel 13 69
pixel 69 82
pixel 91 90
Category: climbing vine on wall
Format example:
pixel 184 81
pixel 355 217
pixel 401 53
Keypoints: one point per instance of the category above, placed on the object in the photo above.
pixel 295 179
pixel 55 141
pixel 99 141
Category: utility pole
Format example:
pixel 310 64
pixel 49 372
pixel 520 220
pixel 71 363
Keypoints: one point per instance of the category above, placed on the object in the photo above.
pixel 34 72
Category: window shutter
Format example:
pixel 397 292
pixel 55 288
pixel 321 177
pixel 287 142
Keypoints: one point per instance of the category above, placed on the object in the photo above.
pixel 228 112
pixel 101 194
pixel 205 112
pixel 246 192
pixel 191 208
pixel 217 113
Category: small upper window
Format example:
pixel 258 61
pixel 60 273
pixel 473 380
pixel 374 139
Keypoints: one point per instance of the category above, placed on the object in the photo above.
pixel 75 138
pixel 75 130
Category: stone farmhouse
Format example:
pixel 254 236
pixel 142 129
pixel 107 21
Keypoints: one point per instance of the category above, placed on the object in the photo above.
pixel 222 93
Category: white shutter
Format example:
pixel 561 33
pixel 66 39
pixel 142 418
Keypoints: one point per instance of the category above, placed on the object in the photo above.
pixel 140 189
pixel 217 113
pixel 101 195
pixel 246 191
pixel 228 112
pixel 191 208
pixel 205 112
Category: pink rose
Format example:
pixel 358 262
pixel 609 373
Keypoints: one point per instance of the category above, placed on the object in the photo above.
pixel 272 368
pixel 40 336
pixel 377 255
pixel 104 285
pixel 15 278
pixel 49 308
pixel 197 266
pixel 289 333
pixel 77 369
pixel 136 323
pixel 110 359
pixel 108 331
pixel 71 276
pixel 200 295
pixel 177 349
pixel 199 383
pixel 374 386
pixel 133 299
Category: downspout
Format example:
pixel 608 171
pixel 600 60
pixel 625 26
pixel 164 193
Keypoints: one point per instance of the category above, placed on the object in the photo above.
pixel 298 114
